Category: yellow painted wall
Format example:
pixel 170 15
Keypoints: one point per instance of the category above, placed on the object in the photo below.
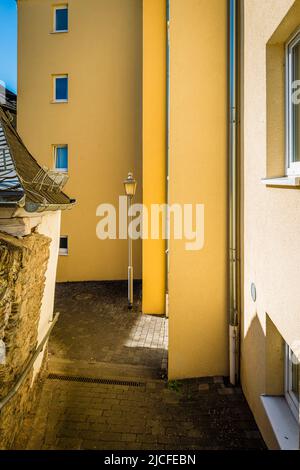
pixel 154 147
pixel 271 216
pixel 102 123
pixel 198 344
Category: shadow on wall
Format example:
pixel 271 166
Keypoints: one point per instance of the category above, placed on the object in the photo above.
pixel 261 360
pixel 253 351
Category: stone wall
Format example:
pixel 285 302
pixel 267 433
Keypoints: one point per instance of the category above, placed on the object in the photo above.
pixel 23 264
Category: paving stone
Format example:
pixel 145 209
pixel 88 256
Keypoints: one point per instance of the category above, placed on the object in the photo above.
pixel 128 437
pixel 226 391
pixel 253 434
pixel 99 445
pixel 202 414
pixel 104 328
pixel 203 387
pixel 218 380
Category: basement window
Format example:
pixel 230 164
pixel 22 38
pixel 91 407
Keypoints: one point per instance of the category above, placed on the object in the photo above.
pixel 60 88
pixel 292 381
pixel 60 19
pixel 293 106
pixel 64 245
pixel 61 158
pixel 283 410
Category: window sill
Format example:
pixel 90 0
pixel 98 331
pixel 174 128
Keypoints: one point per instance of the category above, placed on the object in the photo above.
pixel 59 32
pixel 59 101
pixel 284 425
pixel 285 181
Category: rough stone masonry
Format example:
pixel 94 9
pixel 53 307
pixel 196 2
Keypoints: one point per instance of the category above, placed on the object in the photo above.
pixel 23 264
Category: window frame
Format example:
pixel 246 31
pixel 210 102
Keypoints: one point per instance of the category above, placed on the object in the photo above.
pixel 63 251
pixel 54 78
pixel 290 396
pixel 292 168
pixel 55 147
pixel 64 6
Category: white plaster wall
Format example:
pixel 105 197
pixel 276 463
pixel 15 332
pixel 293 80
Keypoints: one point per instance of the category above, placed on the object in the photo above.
pixel 271 218
pixel 49 226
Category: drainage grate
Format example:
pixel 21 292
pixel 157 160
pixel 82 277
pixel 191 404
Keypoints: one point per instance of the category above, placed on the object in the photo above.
pixel 70 378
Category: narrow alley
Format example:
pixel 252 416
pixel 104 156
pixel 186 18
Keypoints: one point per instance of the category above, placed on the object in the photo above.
pixel 106 385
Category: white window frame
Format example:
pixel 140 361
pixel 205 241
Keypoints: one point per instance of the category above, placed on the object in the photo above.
pixel 64 251
pixel 55 147
pixel 60 7
pixel 291 397
pixel 55 77
pixel 292 168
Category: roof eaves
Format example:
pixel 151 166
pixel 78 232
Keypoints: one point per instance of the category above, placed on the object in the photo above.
pixel 31 187
pixel 12 200
pixel 31 207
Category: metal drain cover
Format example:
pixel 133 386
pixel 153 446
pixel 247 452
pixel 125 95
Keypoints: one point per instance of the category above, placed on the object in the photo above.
pixel 70 378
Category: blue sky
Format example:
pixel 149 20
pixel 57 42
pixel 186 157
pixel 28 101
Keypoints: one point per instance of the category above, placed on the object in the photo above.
pixel 8 42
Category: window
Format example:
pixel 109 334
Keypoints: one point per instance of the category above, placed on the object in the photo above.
pixel 61 157
pixel 60 19
pixel 293 106
pixel 292 379
pixel 60 88
pixel 63 246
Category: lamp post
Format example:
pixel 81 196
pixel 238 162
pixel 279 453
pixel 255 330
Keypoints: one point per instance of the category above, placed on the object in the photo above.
pixel 130 188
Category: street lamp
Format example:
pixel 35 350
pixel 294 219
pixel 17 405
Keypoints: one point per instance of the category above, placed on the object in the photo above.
pixel 130 188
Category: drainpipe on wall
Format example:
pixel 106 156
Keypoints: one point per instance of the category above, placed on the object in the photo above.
pixel 233 297
pixel 167 156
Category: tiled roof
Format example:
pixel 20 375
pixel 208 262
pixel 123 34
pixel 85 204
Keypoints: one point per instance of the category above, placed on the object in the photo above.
pixel 23 182
pixel 8 99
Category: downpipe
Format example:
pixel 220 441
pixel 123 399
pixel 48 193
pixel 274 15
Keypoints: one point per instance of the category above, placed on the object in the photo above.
pixel 233 300
pixel 167 246
pixel 233 338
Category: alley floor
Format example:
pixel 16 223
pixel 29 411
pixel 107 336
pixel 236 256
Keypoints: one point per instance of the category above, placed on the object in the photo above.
pixel 97 332
pixel 106 386
pixel 190 415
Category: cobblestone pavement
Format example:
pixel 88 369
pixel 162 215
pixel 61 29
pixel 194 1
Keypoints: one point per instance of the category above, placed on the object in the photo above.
pixel 189 415
pixel 97 337
pixel 95 326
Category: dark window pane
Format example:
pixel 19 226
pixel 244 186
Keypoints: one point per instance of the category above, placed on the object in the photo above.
pixel 295 375
pixel 61 89
pixel 61 19
pixel 63 244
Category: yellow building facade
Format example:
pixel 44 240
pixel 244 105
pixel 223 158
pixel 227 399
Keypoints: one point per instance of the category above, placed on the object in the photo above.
pixel 101 123
pixel 198 174
pixel 114 55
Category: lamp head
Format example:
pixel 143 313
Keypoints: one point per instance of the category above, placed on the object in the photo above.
pixel 130 185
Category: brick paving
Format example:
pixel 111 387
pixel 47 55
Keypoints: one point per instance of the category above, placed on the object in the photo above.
pixel 95 326
pixel 96 336
pixel 200 414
